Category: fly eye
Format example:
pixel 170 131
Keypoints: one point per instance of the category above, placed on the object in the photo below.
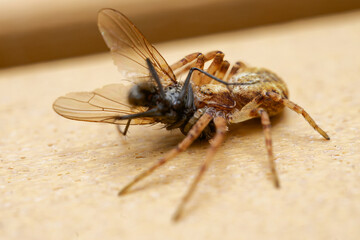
pixel 139 96
pixel 178 105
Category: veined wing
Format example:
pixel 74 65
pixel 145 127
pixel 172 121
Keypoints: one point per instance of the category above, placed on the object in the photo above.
pixel 130 48
pixel 102 105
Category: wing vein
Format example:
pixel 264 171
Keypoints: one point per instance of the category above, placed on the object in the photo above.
pixel 127 34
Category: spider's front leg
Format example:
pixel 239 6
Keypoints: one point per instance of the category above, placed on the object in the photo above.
pixel 193 134
pixel 220 124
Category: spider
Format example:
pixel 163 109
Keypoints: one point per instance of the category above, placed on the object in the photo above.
pixel 201 106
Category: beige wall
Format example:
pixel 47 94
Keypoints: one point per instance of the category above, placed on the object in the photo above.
pixel 37 30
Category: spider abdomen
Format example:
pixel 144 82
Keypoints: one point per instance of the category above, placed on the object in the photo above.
pixel 258 82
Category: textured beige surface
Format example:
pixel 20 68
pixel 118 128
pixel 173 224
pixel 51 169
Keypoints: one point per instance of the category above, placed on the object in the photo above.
pixel 59 178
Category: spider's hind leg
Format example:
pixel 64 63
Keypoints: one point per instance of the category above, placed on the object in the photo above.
pixel 293 106
pixel 265 121
pixel 252 110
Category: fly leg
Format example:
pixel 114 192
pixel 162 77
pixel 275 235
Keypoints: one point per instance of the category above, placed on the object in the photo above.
pixel 194 133
pixel 221 128
pixel 125 130
pixel 276 97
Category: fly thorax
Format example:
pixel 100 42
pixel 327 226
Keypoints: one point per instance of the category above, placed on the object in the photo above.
pixel 172 94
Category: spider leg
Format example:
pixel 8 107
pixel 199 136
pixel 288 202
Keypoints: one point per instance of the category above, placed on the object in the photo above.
pixel 215 64
pixel 126 128
pixel 213 68
pixel 252 110
pixel 188 61
pixel 247 112
pixel 222 70
pixel 184 61
pixel 265 121
pixel 237 66
pixel 221 128
pixel 182 146
pixel 293 106
pixel 196 77
pixel 212 54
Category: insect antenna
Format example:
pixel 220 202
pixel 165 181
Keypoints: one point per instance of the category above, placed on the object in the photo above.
pixel 156 77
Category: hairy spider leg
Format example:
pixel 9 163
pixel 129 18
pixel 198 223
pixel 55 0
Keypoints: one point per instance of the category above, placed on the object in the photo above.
pixel 188 61
pixel 196 77
pixel 221 128
pixel 215 64
pixel 193 134
pixel 252 110
pixel 265 121
pixel 213 68
pixel 222 70
pixel 191 57
pixel 293 106
pixel 238 66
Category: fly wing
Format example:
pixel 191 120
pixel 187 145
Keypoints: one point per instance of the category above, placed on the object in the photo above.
pixel 130 48
pixel 102 105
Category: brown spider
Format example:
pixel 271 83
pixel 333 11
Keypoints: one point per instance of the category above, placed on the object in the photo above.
pixel 201 106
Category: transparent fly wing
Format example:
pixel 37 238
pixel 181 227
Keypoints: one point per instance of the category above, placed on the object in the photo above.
pixel 130 48
pixel 102 105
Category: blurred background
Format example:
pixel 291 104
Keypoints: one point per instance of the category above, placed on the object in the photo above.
pixel 39 30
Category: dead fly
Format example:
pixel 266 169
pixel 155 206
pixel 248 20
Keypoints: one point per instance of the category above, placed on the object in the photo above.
pixel 200 106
